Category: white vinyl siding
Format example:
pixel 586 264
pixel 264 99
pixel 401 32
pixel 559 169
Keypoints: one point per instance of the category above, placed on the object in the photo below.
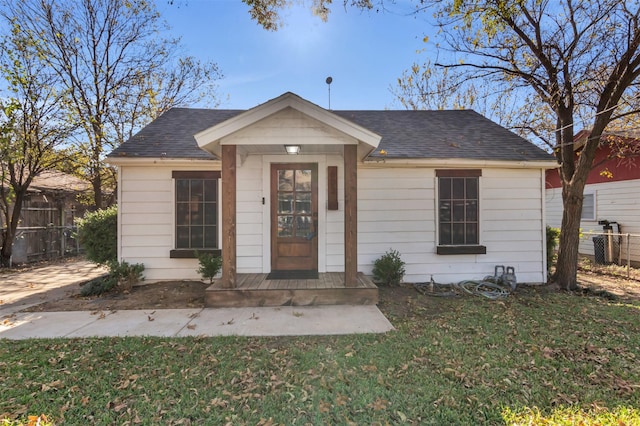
pixel 614 201
pixel 396 210
pixel 249 219
pixel 146 221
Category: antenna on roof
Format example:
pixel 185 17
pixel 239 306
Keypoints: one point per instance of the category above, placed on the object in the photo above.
pixel 329 80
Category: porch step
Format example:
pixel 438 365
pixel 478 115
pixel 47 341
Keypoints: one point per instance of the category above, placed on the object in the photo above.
pixel 254 290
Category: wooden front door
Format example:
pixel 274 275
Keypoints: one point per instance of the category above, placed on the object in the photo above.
pixel 294 216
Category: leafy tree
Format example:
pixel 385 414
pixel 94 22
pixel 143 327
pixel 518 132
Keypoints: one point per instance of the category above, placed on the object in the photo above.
pixel 117 69
pixel 31 128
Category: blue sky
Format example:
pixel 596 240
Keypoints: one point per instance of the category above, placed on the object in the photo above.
pixel 364 52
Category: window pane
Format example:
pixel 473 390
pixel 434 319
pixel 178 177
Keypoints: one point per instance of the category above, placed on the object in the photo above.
pixel 303 180
pixel 445 211
pixel 210 214
pixel 588 207
pixel 182 237
pixel 445 188
pixel 210 237
pixel 303 226
pixel 285 180
pixel 458 188
pixel 445 234
pixel 472 233
pixel 196 213
pixel 197 190
pixel 303 202
pixel 285 203
pixel 285 226
pixel 472 211
pixel 211 190
pixel 472 188
pixel 182 214
pixel 197 237
pixel 182 189
pixel 457 234
pixel 458 210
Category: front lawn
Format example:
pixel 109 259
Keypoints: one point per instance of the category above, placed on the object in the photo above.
pixel 542 358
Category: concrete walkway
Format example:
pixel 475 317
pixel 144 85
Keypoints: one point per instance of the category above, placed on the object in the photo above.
pixel 19 290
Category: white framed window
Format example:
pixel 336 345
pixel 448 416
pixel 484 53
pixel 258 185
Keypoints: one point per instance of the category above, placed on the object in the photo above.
pixel 588 206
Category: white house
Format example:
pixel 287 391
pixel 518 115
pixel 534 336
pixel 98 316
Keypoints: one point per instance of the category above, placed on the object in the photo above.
pixel 453 192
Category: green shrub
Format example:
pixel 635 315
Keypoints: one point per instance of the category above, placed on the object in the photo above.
pixel 388 269
pixel 126 274
pixel 122 276
pixel 210 265
pixel 98 235
pixel 552 243
pixel 98 286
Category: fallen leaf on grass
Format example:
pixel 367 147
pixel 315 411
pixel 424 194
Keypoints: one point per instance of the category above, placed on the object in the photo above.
pixel 57 384
pixel 324 407
pixel 379 404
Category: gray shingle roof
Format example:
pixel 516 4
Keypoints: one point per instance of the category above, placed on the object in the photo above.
pixel 462 134
pixel 171 134
pixel 444 134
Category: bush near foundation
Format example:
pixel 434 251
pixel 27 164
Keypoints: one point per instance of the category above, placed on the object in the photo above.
pixel 98 235
pixel 388 269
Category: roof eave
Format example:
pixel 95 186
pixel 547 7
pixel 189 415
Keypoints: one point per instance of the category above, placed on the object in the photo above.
pixel 460 162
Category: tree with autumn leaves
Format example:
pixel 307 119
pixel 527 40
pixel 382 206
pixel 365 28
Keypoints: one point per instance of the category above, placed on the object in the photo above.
pixel 82 76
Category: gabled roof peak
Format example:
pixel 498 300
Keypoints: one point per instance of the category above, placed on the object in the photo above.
pixel 210 139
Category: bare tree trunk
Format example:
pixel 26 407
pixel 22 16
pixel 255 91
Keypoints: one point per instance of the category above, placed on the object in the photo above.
pixel 10 233
pixel 96 182
pixel 567 264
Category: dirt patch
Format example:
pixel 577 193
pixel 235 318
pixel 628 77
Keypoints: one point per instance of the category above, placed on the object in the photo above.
pixel 160 295
pixel 399 302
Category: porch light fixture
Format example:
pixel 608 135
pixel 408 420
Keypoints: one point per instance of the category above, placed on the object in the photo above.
pixel 292 149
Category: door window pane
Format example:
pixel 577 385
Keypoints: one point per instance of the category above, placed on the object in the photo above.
pixel 303 180
pixel 303 202
pixel 285 180
pixel 285 226
pixel 303 226
pixel 285 203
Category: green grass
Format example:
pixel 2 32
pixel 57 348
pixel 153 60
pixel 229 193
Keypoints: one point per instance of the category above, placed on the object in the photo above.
pixel 552 359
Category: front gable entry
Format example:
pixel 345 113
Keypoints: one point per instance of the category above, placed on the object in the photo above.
pixel 265 131
pixel 288 119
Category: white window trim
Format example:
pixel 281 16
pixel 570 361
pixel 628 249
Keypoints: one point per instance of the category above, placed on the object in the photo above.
pixel 594 215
